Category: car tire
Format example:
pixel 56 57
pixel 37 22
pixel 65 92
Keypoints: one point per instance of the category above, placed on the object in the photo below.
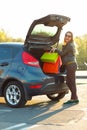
pixel 57 96
pixel 14 94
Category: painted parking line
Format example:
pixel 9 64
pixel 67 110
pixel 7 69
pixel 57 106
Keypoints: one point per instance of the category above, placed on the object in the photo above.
pixel 84 109
pixel 15 126
pixel 30 127
pixel 2 110
pixel 22 126
pixel 85 118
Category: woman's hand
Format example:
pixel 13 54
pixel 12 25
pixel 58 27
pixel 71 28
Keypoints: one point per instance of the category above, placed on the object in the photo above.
pixel 53 49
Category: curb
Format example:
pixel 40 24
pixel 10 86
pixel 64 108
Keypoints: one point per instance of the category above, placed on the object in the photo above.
pixel 81 77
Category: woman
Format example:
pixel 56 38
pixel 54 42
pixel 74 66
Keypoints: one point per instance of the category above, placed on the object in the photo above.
pixel 69 61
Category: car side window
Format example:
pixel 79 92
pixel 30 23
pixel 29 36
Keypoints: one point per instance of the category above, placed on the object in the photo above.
pixel 5 53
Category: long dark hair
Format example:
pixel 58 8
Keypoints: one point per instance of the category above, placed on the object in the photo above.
pixel 71 35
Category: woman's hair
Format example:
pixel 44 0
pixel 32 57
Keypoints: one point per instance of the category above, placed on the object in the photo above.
pixel 71 35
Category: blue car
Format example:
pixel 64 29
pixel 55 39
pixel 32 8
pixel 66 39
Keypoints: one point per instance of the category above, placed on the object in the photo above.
pixel 21 68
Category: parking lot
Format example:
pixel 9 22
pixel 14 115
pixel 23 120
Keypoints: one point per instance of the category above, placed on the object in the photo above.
pixel 41 113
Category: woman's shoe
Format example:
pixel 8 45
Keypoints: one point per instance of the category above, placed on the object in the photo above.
pixel 72 101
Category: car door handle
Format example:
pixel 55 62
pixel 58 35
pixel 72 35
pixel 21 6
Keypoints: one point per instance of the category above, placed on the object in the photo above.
pixel 4 64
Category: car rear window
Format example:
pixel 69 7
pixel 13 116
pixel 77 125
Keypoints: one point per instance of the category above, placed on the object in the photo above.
pixel 42 30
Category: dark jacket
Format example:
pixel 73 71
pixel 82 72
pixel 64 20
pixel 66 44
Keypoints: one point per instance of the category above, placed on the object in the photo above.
pixel 67 53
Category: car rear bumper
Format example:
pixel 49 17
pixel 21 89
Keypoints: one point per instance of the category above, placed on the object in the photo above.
pixel 54 88
pixel 49 85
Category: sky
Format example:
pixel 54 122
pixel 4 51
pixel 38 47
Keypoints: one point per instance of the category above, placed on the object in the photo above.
pixel 17 15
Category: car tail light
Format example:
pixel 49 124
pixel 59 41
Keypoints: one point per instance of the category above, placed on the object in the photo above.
pixel 29 60
pixel 36 86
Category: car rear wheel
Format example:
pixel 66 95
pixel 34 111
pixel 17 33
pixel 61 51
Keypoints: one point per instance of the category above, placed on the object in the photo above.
pixel 57 96
pixel 14 94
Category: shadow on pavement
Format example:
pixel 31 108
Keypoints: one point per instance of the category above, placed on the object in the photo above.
pixel 32 114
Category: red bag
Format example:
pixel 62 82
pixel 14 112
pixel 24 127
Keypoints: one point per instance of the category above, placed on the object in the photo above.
pixel 52 67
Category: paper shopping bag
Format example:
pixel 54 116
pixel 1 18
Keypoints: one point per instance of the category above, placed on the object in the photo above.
pixel 52 67
pixel 49 57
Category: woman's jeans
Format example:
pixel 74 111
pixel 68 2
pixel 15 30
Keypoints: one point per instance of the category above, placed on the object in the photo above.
pixel 71 79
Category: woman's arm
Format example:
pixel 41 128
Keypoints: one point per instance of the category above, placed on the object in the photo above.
pixel 65 50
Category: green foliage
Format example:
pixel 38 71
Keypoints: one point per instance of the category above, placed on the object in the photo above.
pixel 5 38
pixel 81 43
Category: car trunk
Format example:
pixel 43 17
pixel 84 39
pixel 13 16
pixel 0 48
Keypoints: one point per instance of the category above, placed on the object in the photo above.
pixel 59 78
pixel 43 34
pixel 37 52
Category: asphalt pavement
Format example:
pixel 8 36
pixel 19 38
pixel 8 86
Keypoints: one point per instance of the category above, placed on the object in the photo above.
pixel 40 113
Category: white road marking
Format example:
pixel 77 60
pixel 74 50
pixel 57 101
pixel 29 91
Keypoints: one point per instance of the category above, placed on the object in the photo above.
pixel 15 126
pixel 84 109
pixel 29 127
pixel 1 110
pixel 85 118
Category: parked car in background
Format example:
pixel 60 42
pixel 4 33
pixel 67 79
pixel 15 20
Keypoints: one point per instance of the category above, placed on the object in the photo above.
pixel 21 72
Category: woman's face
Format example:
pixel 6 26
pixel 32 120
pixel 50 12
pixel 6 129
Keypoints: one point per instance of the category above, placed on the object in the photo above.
pixel 68 37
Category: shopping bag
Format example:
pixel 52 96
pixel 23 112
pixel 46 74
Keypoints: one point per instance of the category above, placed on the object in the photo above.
pixel 53 68
pixel 49 57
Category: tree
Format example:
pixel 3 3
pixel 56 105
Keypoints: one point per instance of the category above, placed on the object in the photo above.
pixel 5 38
pixel 82 51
